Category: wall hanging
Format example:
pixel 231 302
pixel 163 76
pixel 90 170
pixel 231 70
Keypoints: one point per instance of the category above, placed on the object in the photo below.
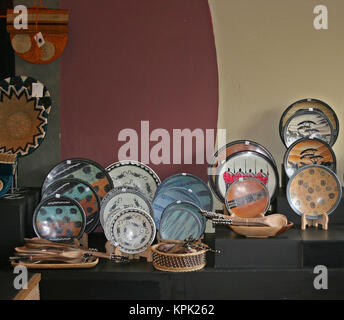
pixel 46 36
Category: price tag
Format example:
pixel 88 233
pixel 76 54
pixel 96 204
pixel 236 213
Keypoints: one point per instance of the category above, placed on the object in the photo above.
pixel 69 162
pixel 37 89
pixel 58 196
pixel 39 39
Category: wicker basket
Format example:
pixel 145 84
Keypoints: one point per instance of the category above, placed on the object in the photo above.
pixel 176 262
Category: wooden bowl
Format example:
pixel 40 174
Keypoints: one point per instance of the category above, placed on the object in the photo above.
pixel 261 232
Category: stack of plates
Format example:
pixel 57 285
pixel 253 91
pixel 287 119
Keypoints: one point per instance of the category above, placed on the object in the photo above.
pixel 176 207
pixel 309 128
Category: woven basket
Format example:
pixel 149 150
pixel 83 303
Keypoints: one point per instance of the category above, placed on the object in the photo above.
pixel 176 262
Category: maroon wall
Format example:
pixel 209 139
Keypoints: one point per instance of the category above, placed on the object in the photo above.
pixel 134 60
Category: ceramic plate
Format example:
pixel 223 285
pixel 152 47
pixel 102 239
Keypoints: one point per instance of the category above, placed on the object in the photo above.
pixel 314 190
pixel 83 169
pixel 23 117
pixel 6 176
pixel 168 196
pixel 134 174
pixel 81 192
pixel 310 124
pixel 181 220
pixel 307 151
pixel 222 154
pixel 122 198
pixel 190 181
pixel 133 230
pixel 247 198
pixel 307 104
pixel 59 219
pixel 247 164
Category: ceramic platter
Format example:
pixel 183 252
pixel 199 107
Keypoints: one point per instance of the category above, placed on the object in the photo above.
pixel 190 182
pixel 168 196
pixel 134 174
pixel 122 198
pixel 23 115
pixel 81 192
pixel 310 124
pixel 314 190
pixel 307 151
pixel 247 198
pixel 82 169
pixel 59 219
pixel 6 176
pixel 133 230
pixel 306 104
pixel 181 220
pixel 222 154
pixel 247 164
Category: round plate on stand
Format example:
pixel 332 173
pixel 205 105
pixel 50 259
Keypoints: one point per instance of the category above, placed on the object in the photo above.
pixel 314 190
pixel 134 174
pixel 82 169
pixel 81 192
pixel 59 219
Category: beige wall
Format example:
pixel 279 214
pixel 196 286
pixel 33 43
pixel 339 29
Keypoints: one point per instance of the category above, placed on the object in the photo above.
pixel 270 55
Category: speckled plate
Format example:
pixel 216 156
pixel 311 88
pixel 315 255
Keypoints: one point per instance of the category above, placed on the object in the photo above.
pixel 133 230
pixel 59 219
pixel 81 192
pixel 192 182
pixel 134 174
pixel 168 196
pixel 223 153
pixel 314 190
pixel 307 151
pixel 181 220
pixel 83 169
pixel 247 198
pixel 308 124
pixel 121 198
pixel 247 164
pixel 306 104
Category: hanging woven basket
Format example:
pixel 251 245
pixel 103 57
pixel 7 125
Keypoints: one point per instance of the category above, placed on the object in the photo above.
pixel 45 38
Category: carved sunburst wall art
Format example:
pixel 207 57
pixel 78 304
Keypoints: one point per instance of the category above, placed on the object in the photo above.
pixel 23 117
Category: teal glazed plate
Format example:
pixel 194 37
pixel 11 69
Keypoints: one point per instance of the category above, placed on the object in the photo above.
pixel 168 196
pixel 59 219
pixel 192 182
pixel 181 220
pixel 81 192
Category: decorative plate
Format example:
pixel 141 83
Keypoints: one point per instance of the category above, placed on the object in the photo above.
pixel 81 192
pixel 168 196
pixel 307 151
pixel 247 198
pixel 310 124
pixel 133 230
pixel 51 23
pixel 314 190
pixel 122 198
pixel 134 174
pixel 307 104
pixel 190 181
pixel 181 220
pixel 223 153
pixel 23 115
pixel 59 219
pixel 247 164
pixel 83 169
pixel 6 176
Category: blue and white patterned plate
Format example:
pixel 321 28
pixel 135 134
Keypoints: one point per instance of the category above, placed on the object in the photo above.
pixel 190 181
pixel 181 220
pixel 168 196
pixel 132 230
pixel 6 176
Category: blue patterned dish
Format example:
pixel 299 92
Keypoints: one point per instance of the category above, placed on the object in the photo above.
pixel 168 196
pixel 190 181
pixel 6 176
pixel 181 220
